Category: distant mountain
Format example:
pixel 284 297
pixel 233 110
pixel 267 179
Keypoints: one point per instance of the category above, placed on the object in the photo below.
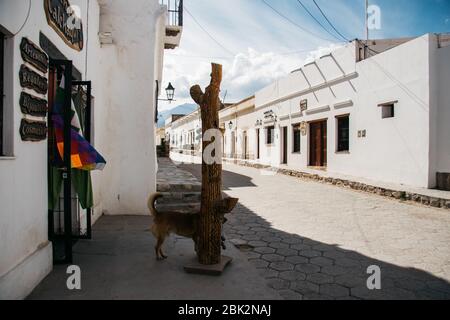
pixel 186 108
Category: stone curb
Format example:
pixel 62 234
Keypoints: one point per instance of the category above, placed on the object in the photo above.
pixel 358 186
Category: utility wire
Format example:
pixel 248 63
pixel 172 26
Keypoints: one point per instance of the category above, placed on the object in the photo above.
pixel 294 23
pixel 315 19
pixel 230 58
pixel 329 22
pixel 206 31
pixel 26 20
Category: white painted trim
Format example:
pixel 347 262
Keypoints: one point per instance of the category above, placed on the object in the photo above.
pixel 318 87
pixel 344 104
pixel 318 110
pixel 7 158
pixel 297 115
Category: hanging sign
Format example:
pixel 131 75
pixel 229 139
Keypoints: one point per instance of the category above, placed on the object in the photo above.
pixel 33 106
pixel 32 54
pixel 32 80
pixel 62 17
pixel 33 130
pixel 304 105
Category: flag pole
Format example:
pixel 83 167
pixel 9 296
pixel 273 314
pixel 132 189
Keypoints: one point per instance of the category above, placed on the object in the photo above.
pixel 367 20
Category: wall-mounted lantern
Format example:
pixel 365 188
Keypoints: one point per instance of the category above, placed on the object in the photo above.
pixel 170 91
pixel 230 125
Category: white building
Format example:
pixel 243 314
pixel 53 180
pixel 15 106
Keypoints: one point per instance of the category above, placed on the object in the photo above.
pixel 379 112
pixel 186 133
pixel 119 48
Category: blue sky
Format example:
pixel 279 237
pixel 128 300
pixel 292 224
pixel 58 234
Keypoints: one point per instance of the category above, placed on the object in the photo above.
pixel 257 45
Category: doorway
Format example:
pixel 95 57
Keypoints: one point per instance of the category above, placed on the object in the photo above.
pixel 68 187
pixel 318 144
pixel 245 148
pixel 258 146
pixel 233 145
pixel 284 155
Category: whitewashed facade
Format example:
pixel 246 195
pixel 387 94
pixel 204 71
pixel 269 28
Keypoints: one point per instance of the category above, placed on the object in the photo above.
pixel 380 113
pixel 123 57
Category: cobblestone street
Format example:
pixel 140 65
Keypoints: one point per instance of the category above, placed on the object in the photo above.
pixel 316 241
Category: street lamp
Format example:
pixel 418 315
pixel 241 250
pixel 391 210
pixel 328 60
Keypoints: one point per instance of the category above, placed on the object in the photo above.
pixel 170 91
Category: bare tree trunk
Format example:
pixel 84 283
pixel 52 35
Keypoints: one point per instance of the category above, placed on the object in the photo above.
pixel 211 220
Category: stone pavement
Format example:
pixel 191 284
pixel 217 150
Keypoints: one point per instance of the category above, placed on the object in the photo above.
pixel 171 179
pixel 119 263
pixel 315 241
pixel 180 189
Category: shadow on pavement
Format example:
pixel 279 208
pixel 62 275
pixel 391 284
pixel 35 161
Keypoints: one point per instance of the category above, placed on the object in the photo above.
pixel 302 268
pixel 230 179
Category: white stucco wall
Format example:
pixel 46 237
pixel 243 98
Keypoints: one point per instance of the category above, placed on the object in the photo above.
pixel 130 72
pixel 406 149
pixel 440 91
pixel 25 252
pixel 123 81
pixel 395 150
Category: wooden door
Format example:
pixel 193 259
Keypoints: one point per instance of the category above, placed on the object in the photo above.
pixel 284 159
pixel 258 144
pixel 245 146
pixel 318 144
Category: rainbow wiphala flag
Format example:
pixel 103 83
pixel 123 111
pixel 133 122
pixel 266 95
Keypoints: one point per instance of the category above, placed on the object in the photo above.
pixel 83 155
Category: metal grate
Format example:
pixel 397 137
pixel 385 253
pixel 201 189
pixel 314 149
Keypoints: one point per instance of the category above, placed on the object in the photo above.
pixel 2 51
pixel 175 12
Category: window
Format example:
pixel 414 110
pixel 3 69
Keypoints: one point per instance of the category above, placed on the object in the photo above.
pixel 387 111
pixel 296 138
pixel 343 133
pixel 270 138
pixel 2 75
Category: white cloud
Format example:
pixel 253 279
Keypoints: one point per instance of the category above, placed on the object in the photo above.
pixel 243 76
pixel 321 51
pixel 249 29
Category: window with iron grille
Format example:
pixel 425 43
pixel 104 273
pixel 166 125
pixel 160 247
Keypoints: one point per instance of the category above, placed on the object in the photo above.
pixel 343 133
pixel 387 111
pixel 2 76
pixel 296 148
pixel 270 138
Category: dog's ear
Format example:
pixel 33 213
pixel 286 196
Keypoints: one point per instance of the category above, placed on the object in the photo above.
pixel 226 205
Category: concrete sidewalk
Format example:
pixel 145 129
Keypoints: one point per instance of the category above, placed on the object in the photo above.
pixel 119 263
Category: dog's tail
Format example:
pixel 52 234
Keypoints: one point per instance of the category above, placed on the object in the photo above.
pixel 151 203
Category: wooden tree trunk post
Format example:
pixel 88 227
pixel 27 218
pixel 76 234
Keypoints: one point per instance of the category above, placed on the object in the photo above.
pixel 210 222
pixel 213 207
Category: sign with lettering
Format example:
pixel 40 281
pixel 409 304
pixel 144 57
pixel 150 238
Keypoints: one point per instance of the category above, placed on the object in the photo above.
pixel 32 80
pixel 32 54
pixel 33 106
pixel 304 105
pixel 33 130
pixel 63 18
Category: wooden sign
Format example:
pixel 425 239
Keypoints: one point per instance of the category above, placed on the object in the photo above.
pixel 33 106
pixel 33 130
pixel 32 54
pixel 304 105
pixel 61 17
pixel 32 80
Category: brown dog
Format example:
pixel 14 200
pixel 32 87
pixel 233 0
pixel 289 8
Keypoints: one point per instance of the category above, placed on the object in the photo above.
pixel 182 224
pixel 165 223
